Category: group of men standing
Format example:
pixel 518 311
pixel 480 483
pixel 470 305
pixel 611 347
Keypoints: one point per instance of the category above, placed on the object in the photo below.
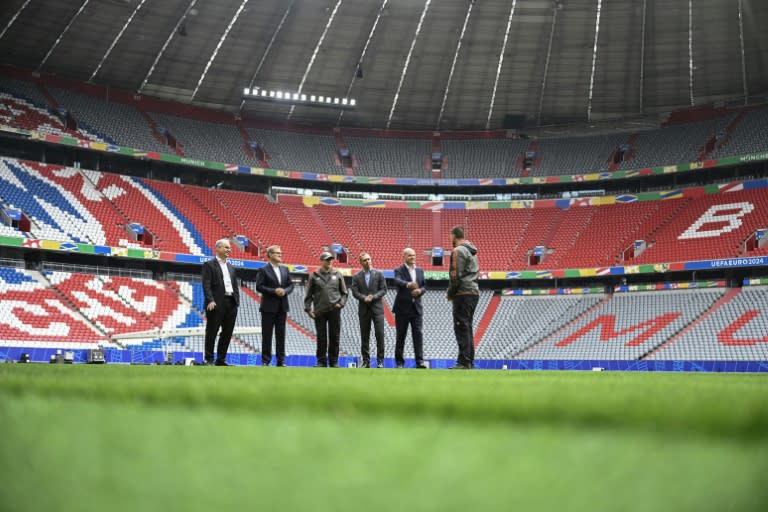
pixel 326 294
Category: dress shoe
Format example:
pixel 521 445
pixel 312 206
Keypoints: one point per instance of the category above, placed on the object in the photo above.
pixel 281 364
pixel 320 365
pixel 380 364
pixel 400 365
pixel 264 363
pixel 421 365
pixel 459 366
pixel 334 365
pixel 221 363
pixel 208 362
pixel 365 365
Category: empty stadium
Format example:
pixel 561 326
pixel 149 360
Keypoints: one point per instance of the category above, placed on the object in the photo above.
pixel 608 159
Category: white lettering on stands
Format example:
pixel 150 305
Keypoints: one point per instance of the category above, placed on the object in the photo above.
pixel 712 216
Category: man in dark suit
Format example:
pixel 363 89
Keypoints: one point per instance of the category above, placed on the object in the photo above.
pixel 408 309
pixel 368 287
pixel 274 284
pixel 222 298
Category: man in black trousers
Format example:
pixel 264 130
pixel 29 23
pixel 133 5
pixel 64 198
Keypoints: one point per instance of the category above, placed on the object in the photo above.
pixel 274 284
pixel 408 309
pixel 325 295
pixel 368 287
pixel 465 294
pixel 222 298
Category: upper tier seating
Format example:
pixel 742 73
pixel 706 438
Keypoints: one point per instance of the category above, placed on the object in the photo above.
pixel 22 105
pixel 482 158
pixel 207 141
pixel 747 137
pixel 122 123
pixel 576 155
pixel 390 157
pixel 294 151
pixel 674 144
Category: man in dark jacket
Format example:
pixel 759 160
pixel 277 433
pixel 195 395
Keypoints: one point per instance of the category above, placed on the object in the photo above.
pixel 368 287
pixel 327 291
pixel 222 298
pixel 464 293
pixel 408 309
pixel 274 284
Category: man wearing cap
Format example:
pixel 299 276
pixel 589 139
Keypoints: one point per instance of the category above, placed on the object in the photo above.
pixel 368 287
pixel 328 293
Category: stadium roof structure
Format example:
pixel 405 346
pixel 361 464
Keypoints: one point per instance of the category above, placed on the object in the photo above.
pixel 410 64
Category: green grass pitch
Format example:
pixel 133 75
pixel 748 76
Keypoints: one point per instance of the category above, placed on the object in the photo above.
pixel 141 438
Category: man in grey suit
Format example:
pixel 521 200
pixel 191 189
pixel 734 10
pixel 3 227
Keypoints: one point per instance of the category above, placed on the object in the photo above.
pixel 369 287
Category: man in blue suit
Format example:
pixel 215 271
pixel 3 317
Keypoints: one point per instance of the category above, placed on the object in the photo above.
pixel 408 309
pixel 274 284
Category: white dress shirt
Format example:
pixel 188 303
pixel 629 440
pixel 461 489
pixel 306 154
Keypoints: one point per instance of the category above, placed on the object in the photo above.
pixel 412 272
pixel 227 278
pixel 276 270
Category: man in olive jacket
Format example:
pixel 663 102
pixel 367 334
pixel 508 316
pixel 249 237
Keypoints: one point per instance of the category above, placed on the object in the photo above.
pixel 327 291
pixel 465 294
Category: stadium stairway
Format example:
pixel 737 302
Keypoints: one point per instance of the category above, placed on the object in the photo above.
pixel 156 133
pixel 47 95
pixel 668 219
pixel 197 215
pixel 731 128
pixel 487 318
pixel 266 222
pixel 183 226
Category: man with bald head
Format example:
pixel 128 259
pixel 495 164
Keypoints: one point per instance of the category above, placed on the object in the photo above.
pixel 407 308
pixel 222 298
